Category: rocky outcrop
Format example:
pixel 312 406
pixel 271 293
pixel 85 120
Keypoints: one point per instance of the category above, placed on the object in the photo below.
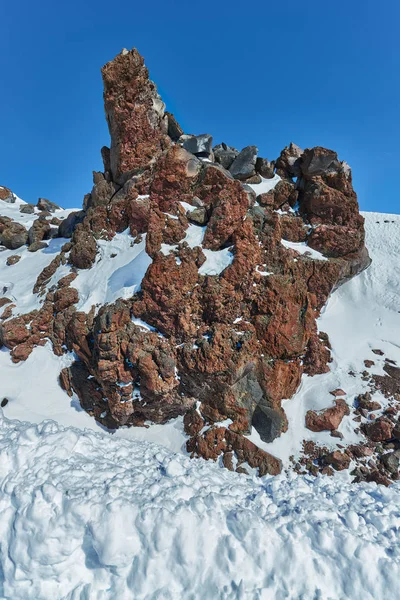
pixel 135 116
pixel 6 195
pixel 228 309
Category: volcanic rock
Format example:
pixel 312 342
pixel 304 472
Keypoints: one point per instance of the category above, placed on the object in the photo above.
pixel 137 136
pixel 199 145
pixel 13 236
pixel 6 195
pixel 244 165
pixel 379 430
pixel 12 260
pixel 45 205
pixel 328 419
pixel 28 209
pixel 265 168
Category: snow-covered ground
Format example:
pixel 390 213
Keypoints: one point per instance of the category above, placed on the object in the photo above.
pixel 85 514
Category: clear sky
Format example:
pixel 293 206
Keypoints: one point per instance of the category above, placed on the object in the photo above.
pixel 262 72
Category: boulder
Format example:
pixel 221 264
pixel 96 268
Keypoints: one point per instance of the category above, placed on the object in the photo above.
pixel 12 260
pixel 198 215
pixel 391 461
pixel 13 236
pixel 328 419
pixel 319 161
pixel 244 164
pixel 338 460
pixel 138 136
pixel 268 423
pixel 225 155
pixel 84 248
pixel 288 163
pixel 379 430
pixel 46 205
pixel 6 195
pixel 174 129
pixel 199 145
pixel 68 225
pixel 265 168
pixel 35 246
pixel 39 231
pixel 27 209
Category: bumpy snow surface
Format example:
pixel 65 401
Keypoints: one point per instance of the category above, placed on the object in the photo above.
pixel 87 517
pixel 85 514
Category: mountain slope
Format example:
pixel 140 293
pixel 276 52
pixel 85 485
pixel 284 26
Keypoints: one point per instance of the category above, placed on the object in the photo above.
pixel 360 316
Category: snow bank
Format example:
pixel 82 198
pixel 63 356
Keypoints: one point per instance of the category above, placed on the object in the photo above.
pixel 117 272
pixel 303 248
pixel 85 516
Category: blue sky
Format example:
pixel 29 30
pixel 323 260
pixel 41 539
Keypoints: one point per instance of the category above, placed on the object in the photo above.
pixel 263 73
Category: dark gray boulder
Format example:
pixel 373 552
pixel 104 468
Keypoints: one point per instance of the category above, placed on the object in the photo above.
pixel 225 155
pixel 67 227
pixel 199 145
pixel 268 423
pixel 243 167
pixel 265 168
pixel 319 161
pixel 199 215
pixel 44 204
pixel 174 129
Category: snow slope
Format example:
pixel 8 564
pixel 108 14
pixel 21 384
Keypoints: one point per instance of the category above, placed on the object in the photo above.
pixel 87 517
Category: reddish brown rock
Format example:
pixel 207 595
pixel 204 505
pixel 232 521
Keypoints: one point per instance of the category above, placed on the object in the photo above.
pixel 380 430
pixel 283 192
pixel 338 392
pixel 328 419
pixel 193 422
pixel 84 249
pixel 12 260
pixel 13 235
pixel 135 115
pixel 338 460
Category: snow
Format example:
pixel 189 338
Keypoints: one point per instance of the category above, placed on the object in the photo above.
pixel 266 185
pixel 113 277
pixel 86 516
pixel 303 248
pixel 216 261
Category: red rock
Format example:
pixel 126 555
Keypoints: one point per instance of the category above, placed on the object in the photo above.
pixel 12 260
pixel 380 430
pixel 338 460
pixel 135 115
pixel 338 392
pixel 328 419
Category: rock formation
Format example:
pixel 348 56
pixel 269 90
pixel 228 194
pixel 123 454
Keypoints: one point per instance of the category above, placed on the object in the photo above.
pixel 222 347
